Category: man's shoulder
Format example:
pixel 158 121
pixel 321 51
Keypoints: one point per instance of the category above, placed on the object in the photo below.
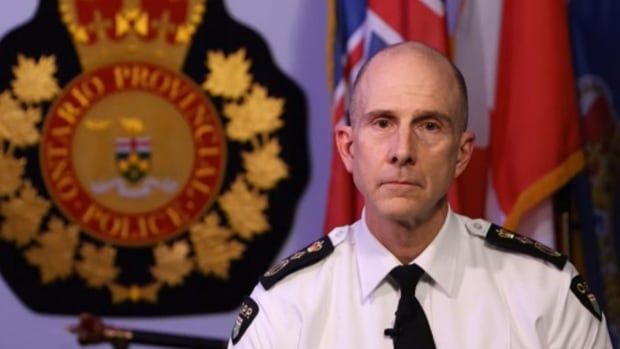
pixel 308 260
pixel 520 267
pixel 510 246
pixel 528 267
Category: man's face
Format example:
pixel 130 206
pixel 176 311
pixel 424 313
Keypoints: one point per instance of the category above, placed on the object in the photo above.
pixel 405 145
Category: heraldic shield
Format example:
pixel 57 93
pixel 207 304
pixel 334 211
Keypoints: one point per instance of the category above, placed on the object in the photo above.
pixel 152 158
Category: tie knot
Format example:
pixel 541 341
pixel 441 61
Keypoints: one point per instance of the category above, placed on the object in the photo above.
pixel 407 276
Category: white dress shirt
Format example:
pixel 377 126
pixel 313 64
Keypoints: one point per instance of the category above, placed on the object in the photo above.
pixel 474 295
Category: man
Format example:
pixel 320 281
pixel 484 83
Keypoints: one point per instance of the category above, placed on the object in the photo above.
pixel 475 285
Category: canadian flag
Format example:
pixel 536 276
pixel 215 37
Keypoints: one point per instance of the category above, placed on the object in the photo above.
pixel 515 57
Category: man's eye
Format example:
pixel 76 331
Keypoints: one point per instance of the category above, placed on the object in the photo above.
pixel 430 126
pixel 382 123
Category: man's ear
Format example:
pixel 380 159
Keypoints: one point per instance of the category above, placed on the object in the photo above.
pixel 466 148
pixel 344 143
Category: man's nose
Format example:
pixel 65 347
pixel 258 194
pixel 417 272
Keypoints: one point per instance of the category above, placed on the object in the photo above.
pixel 402 150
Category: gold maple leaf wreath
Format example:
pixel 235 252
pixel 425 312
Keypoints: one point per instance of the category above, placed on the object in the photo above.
pixel 210 246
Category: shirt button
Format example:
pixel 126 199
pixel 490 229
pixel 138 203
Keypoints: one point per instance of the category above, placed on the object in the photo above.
pixel 477 225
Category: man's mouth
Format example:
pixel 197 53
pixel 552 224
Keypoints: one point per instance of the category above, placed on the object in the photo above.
pixel 400 182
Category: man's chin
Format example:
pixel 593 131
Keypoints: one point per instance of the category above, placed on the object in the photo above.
pixel 408 210
pixel 401 212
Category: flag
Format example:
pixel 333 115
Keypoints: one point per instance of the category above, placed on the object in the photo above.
pixel 522 108
pixel 358 29
pixel 594 27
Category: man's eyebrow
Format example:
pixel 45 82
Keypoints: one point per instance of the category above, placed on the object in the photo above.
pixel 419 115
pixel 379 112
pixel 433 114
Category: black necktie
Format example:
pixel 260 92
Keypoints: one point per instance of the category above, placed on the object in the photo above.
pixel 411 329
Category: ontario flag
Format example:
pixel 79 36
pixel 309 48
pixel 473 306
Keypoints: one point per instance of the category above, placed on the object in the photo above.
pixel 515 57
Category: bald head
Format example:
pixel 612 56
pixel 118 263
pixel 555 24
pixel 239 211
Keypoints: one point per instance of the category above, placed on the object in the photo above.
pixel 415 54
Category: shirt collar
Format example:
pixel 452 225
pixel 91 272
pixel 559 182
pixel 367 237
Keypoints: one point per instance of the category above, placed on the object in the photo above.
pixel 439 259
pixel 374 261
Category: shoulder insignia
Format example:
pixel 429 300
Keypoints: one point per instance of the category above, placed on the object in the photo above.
pixel 247 313
pixel 298 260
pixel 582 291
pixel 512 241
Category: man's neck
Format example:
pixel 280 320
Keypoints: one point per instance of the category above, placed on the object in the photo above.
pixel 407 239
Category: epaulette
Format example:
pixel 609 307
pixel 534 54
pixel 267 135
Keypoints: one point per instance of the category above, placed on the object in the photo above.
pixel 298 260
pixel 512 241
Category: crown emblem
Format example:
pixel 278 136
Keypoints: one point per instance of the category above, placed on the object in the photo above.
pixel 153 31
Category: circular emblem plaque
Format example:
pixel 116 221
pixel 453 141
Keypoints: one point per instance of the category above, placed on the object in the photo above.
pixel 133 153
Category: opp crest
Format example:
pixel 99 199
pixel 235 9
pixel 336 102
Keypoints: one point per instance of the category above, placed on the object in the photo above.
pixel 138 183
